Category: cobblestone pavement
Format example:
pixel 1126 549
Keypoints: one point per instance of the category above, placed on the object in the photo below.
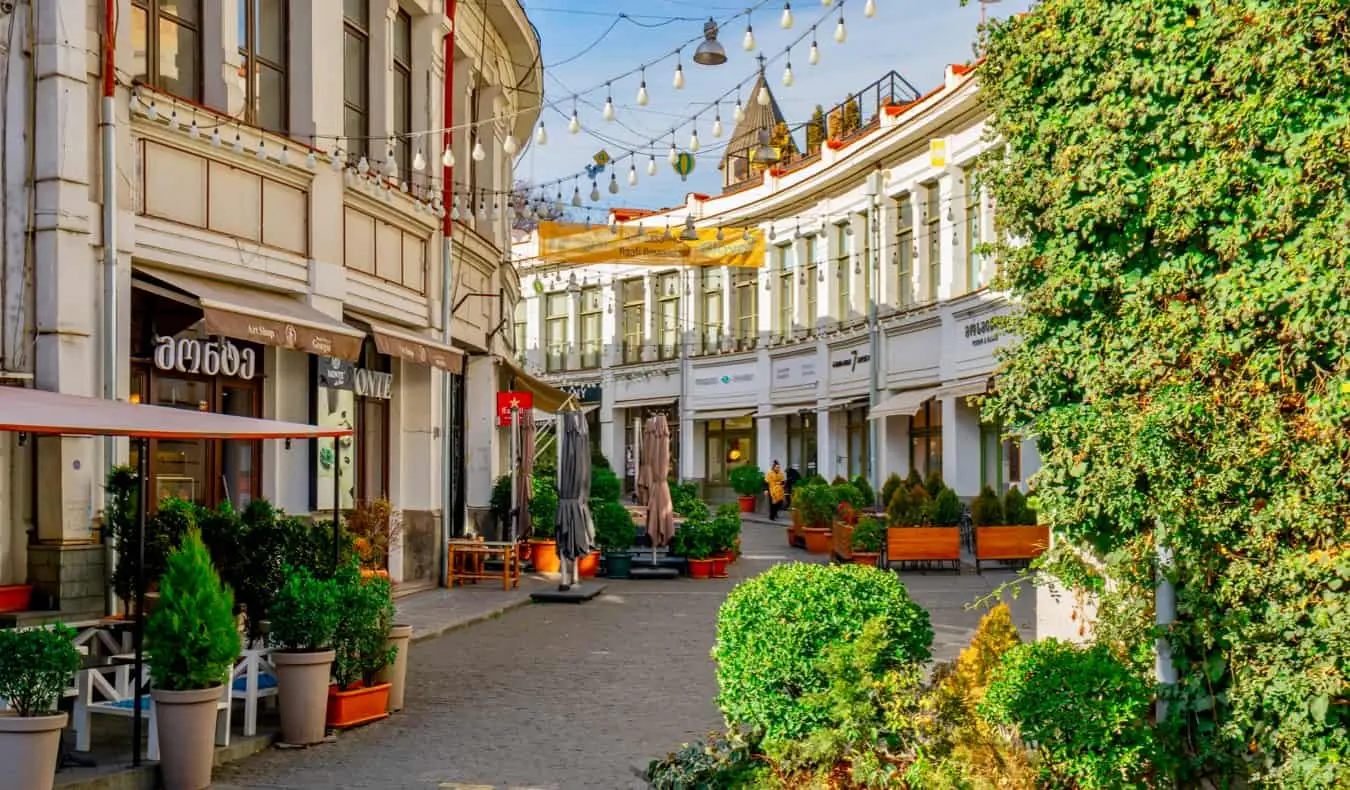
pixel 567 697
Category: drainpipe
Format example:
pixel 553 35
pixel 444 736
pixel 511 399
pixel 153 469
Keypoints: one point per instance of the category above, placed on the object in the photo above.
pixel 108 130
pixel 873 265
pixel 447 317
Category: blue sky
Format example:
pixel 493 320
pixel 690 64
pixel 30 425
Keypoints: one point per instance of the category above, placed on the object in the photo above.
pixel 916 38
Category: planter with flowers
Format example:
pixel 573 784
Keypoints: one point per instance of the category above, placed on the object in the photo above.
pixel 36 666
pixel 375 528
pixel 695 542
pixel 869 538
pixel 303 621
pixel 361 649
pixel 191 642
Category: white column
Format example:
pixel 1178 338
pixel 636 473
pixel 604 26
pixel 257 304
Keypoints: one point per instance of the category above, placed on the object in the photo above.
pixel 825 445
pixel 764 448
pixel 480 435
pixel 572 337
pixel 728 307
pixel 611 324
pixel 952 260
pixel 648 317
pixel 534 328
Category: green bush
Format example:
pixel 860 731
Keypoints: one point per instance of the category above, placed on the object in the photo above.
pixel 813 479
pixel 717 762
pixel 1016 512
pixel 867 497
pixel 119 526
pixel 544 506
pixel 1084 712
pixel 914 480
pixel 726 528
pixel 869 535
pixel 816 504
pixel 366 613
pixel 500 501
pixel 946 509
pixel 888 489
pixel 192 637
pixel 685 501
pixel 605 486
pixel 987 509
pixel 849 494
pixel 36 667
pixel 747 480
pixel 614 527
pixel 695 539
pixel 909 507
pixel 934 484
pixel 773 630
pixel 304 615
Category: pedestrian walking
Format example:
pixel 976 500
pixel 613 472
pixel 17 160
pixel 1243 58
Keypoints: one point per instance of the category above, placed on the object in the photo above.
pixel 777 493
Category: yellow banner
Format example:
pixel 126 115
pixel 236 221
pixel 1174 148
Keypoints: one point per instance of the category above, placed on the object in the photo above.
pixel 573 244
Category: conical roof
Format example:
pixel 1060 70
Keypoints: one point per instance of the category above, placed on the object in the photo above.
pixel 745 137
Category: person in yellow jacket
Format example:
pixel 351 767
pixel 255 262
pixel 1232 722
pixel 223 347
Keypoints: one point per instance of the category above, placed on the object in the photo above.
pixel 777 491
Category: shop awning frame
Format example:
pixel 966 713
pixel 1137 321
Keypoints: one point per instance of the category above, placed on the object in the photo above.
pixel 788 410
pixel 642 403
pixel 409 346
pixel 725 414
pixel 546 396
pixel 267 317
pixel 903 404
pixel 964 388
pixel 844 404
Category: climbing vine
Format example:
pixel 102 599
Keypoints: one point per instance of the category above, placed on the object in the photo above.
pixel 1176 188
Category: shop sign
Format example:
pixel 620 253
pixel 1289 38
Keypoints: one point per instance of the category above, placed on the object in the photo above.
pixel 850 360
pixel 340 374
pixel 794 372
pixel 715 381
pixel 981 333
pixel 583 393
pixel 506 401
pixel 208 358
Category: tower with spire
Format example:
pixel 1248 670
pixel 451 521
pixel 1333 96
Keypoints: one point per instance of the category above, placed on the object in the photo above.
pixel 760 138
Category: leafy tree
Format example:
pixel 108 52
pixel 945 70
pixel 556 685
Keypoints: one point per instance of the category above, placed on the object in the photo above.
pixel 815 130
pixel 1177 176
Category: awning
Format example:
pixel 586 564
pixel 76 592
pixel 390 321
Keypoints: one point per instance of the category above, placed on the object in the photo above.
pixel 843 404
pixel 963 388
pixel 409 346
pixel 723 414
pixel 53 413
pixel 639 403
pixel 902 404
pixel 264 317
pixel 546 396
pixel 790 410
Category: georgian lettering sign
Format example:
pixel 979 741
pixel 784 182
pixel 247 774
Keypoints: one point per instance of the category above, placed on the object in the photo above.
pixel 851 360
pixel 981 333
pixel 207 358
pixel 340 374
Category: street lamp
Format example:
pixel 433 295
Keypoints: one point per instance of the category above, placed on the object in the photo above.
pixel 710 52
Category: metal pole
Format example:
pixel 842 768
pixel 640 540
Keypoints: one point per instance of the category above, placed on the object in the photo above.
pixel 517 461
pixel 1165 613
pixel 449 514
pixel 874 337
pixel 108 130
pixel 138 625
pixel 337 499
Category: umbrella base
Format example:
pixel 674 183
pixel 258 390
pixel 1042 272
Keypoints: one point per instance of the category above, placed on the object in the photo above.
pixel 577 593
pixel 653 572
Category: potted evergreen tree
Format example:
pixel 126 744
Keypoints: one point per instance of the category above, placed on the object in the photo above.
pixel 361 648
pixel 614 532
pixel 35 667
pixel 191 641
pixel 869 536
pixel 303 620
pixel 747 481
pixel 818 506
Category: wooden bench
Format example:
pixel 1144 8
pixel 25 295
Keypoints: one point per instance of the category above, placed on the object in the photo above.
pixel 1010 544
pixel 116 698
pixel 924 544
pixel 465 562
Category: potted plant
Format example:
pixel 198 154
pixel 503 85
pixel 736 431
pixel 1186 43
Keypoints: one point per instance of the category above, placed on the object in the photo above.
pixel 543 510
pixel 918 532
pixel 696 544
pixel 732 514
pixel 395 673
pixel 869 536
pixel 614 535
pixel 987 509
pixel 818 507
pixel 747 481
pixel 303 620
pixel 192 640
pixel 36 666
pixel 375 528
pixel 724 531
pixel 361 648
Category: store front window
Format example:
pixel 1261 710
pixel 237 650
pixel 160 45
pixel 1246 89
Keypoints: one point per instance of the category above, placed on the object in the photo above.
pixel 801 442
pixel 175 364
pixel 354 396
pixel 859 443
pixel 728 444
pixel 925 438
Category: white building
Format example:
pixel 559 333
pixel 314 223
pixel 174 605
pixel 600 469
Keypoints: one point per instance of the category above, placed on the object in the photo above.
pixel 776 362
pixel 252 274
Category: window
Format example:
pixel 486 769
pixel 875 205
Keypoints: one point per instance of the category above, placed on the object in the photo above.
pixel 263 39
pixel 712 281
pixel 991 456
pixel 729 444
pixel 812 284
pixel 933 229
pixel 555 331
pixel 801 442
pixel 904 251
pixel 362 458
pixel 668 315
pixel 747 307
pixel 402 88
pixel 356 78
pixel 974 275
pixel 519 324
pixel 925 438
pixel 166 46
pixel 590 327
pixel 634 314
pixel 865 260
pixel 1012 449
pixel 787 302
pixel 859 442
pixel 844 297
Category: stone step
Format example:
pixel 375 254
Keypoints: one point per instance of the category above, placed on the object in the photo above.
pixel 648 572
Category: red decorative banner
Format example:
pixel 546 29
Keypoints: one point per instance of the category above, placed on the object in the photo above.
pixel 506 401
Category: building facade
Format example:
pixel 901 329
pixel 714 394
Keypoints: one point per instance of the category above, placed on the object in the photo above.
pixel 276 245
pixel 780 361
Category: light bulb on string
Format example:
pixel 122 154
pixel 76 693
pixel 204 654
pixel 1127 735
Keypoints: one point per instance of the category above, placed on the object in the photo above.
pixel 763 98
pixel 613 183
pixel 390 162
pixel 738 114
pixel 151 111
pixel 748 43
pixel 173 120
pixel 479 154
pixel 363 166
pixel 510 146
pixel 840 32
pixel 284 158
pixel 827 3
pixel 632 174
pixel 454 209
pixel 717 122
pixel 238 143
pixel 870 8
pixel 678 81
pixel 642 90
pixel 786 20
pixel 787 75
pixel 674 154
pixel 215 138
pixel 651 166
pixel 693 139
pixel 448 157
pixel 541 136
pixel 813 57
pixel 608 113
pixel 595 191
pixel 311 161
pixel 558 204
pixel 194 131
pixel 574 125
pixel 419 162
pixel 335 160
pixel 576 195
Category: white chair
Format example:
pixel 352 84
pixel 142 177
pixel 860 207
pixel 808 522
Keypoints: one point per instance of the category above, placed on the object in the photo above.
pixel 97 695
pixel 254 679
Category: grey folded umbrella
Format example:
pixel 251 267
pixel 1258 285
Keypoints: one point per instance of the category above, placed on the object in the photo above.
pixel 576 530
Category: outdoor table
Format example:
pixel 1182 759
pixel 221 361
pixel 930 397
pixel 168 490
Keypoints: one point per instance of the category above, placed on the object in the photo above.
pixel 465 561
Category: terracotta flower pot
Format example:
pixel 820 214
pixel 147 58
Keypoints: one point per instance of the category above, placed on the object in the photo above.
pixel 818 539
pixel 28 747
pixel 700 569
pixel 544 555
pixel 866 557
pixel 357 706
pixel 719 566
pixel 302 693
pixel 186 721
pixel 589 565
pixel 791 536
pixel 396 673
pixel 747 504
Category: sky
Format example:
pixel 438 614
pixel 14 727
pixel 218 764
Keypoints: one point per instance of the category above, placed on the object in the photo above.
pixel 916 38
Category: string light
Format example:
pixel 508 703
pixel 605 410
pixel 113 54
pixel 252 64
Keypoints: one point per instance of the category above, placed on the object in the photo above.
pixel 642 90
pixel 813 57
pixel 238 143
pixel 478 153
pixel 608 113
pixel 576 196
pixel 632 174
pixel 651 166
pixel 595 190
pixel 786 21
pixel 613 183
pixel 674 154
pixel 173 120
pixel 448 157
pixel 363 166
pixel 510 146
pixel 194 131
pixel 311 161
pixel 541 136
pixel 763 98
pixel 150 111
pixel 840 33
pixel 748 43
pixel 870 9
pixel 693 140
pixel 574 125
pixel 284 157
pixel 739 113
pixel 678 82
pixel 717 122
pixel 419 162
pixel 787 75
pixel 215 138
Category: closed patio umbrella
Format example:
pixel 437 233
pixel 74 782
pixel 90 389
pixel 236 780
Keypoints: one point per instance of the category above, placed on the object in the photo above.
pixel 660 515
pixel 524 466
pixel 575 529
